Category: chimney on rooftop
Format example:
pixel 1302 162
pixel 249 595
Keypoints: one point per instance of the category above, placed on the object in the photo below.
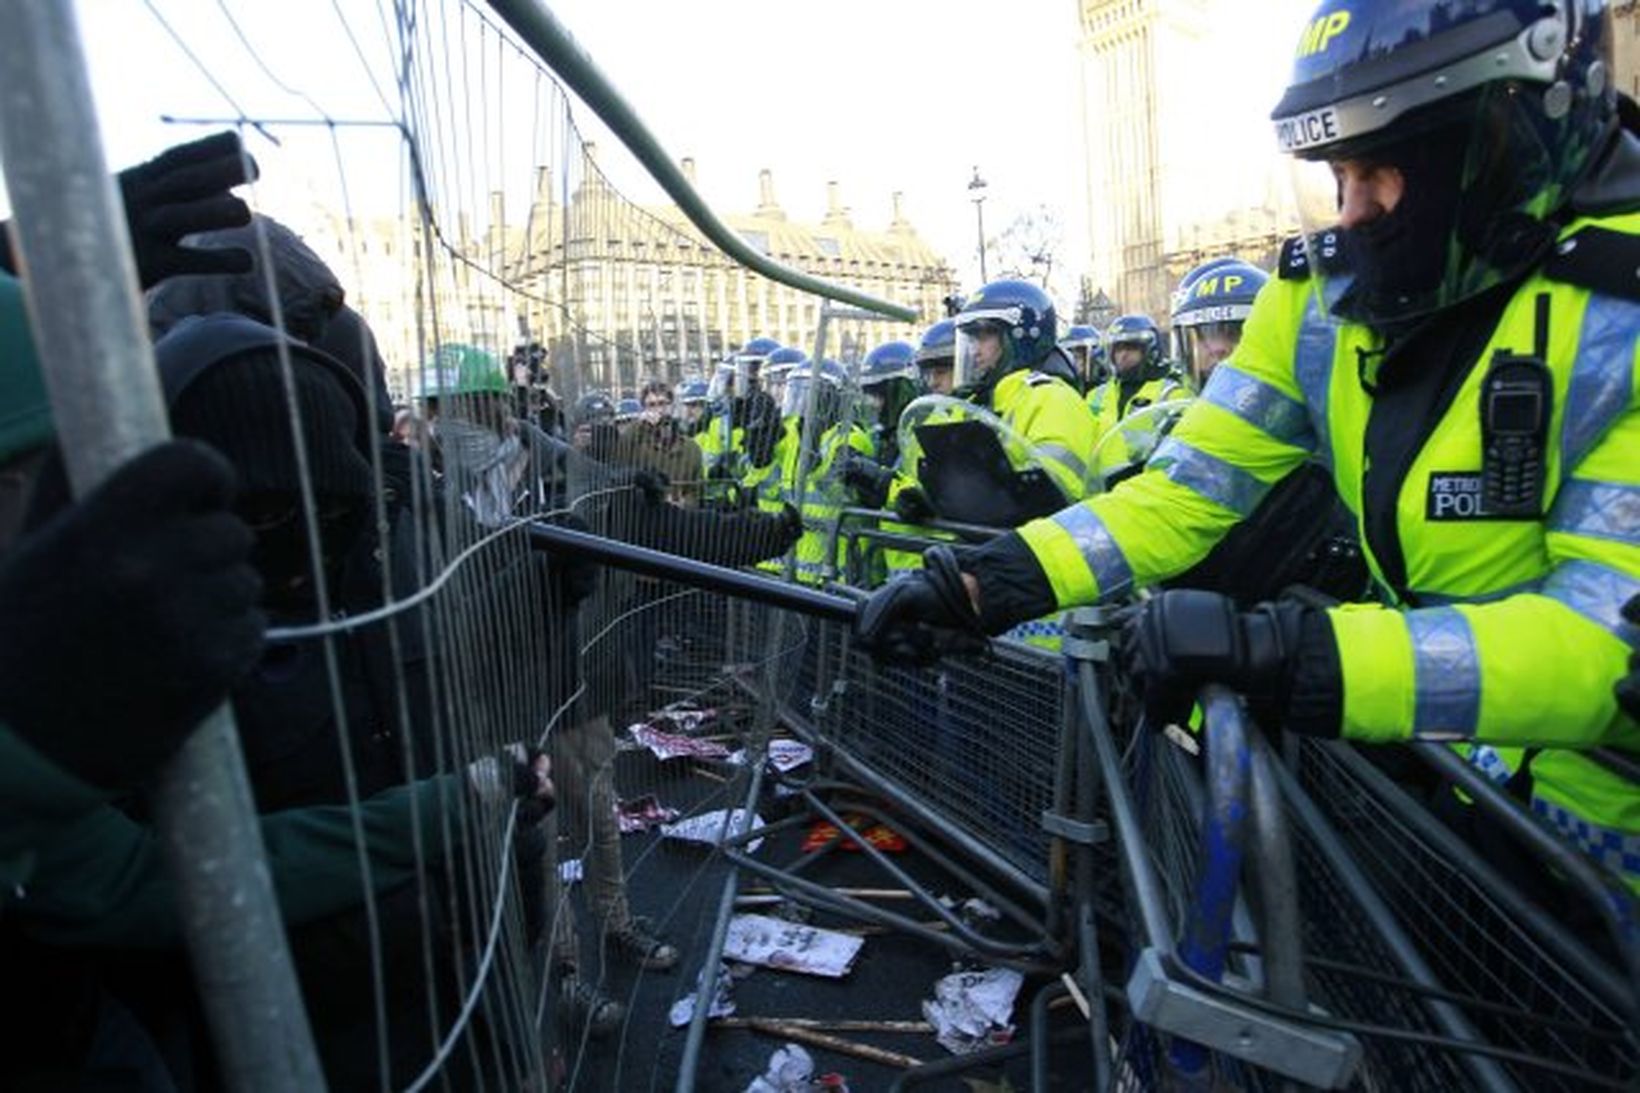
pixel 766 206
pixel 899 223
pixel 835 213
pixel 689 169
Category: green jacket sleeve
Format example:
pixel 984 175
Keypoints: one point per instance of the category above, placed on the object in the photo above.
pixel 99 879
pixel 37 798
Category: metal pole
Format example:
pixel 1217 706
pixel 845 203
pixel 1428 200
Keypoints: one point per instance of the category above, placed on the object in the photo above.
pixel 713 578
pixel 87 317
pixel 695 1038
pixel 976 186
pixel 552 42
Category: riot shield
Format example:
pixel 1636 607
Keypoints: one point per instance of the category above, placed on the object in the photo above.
pixel 1123 450
pixel 973 467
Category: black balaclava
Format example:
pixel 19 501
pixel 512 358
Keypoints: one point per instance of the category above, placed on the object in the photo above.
pixel 1404 253
pixel 239 408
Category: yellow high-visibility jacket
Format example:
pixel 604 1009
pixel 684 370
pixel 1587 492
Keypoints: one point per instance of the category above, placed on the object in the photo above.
pixel 1502 632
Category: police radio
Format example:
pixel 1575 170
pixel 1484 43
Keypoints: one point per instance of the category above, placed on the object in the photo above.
pixel 1516 399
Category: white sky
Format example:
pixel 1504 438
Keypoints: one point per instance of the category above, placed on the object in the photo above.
pixel 878 95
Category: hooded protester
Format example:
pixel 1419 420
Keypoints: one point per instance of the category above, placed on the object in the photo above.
pixel 311 304
pixel 132 591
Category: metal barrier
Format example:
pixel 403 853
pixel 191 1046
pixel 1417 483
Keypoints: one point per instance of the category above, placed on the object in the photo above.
pixel 1040 789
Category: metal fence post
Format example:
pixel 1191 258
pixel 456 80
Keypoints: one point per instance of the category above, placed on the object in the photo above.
pixel 88 324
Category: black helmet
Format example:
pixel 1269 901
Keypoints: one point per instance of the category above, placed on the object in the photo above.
pixel 1488 114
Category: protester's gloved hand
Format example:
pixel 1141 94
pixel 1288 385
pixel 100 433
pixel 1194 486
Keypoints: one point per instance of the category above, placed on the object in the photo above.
pixel 1182 639
pixel 791 527
pixel 181 191
pixel 519 774
pixel 1628 688
pixel 921 616
pixel 868 479
pixel 912 505
pixel 651 485
pixel 126 618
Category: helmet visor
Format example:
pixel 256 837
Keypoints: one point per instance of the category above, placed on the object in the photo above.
pixel 1457 201
pixel 1201 346
pixel 794 399
pixel 982 347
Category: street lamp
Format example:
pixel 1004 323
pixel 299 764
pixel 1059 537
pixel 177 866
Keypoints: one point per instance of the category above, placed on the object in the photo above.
pixel 976 186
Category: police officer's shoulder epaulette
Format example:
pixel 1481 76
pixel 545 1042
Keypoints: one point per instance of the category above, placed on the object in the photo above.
pixel 1037 379
pixel 1294 264
pixel 1599 259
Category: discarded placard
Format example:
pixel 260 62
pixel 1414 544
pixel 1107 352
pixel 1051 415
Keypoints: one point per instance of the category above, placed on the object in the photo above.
pixel 971 1011
pixel 711 828
pixel 669 745
pixel 790 946
pixel 880 836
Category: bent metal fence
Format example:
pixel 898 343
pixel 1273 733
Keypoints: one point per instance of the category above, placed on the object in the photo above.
pixel 1219 913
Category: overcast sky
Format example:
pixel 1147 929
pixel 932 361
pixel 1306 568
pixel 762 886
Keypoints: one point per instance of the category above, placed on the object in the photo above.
pixel 877 95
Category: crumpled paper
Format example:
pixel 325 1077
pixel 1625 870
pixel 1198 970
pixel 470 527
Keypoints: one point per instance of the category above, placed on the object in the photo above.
pixel 784 756
pixel 642 813
pixel 709 828
pixel 682 719
pixel 791 1070
pixel 971 1011
pixel 722 1004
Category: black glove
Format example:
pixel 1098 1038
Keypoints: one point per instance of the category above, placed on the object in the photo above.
pixel 918 617
pixel 127 617
pixel 720 470
pixel 867 478
pixel 1628 688
pixel 1184 638
pixel 652 485
pixel 181 191
pixel 791 527
pixel 913 506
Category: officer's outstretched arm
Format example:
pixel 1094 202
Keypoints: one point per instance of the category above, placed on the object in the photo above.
pixel 1249 429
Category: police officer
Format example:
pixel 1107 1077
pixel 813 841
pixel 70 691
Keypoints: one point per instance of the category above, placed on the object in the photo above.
pixel 1086 350
pixel 1458 344
pixel 1008 361
pixel 819 490
pixel 692 398
pixel 889 380
pixel 937 357
pixel 1127 428
pixel 1209 310
pixel 735 394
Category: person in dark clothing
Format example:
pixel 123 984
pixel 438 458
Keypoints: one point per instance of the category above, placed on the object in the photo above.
pixel 226 383
pixel 481 445
pixel 311 303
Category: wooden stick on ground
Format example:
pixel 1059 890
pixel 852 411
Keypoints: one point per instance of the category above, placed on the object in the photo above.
pixel 821 1024
pixel 857 893
pixel 809 1036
